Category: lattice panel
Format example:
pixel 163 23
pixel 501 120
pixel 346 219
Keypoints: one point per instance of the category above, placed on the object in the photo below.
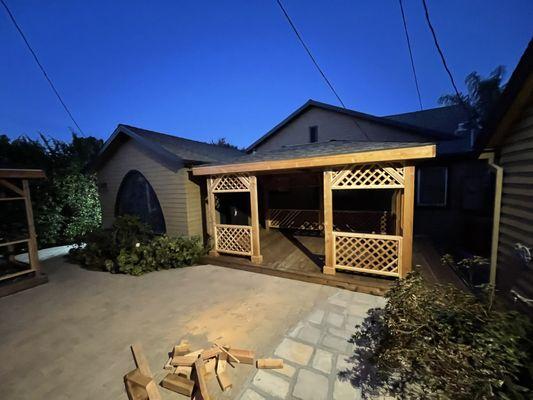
pixel 368 253
pixel 235 239
pixel 231 183
pixel 294 219
pixel 377 176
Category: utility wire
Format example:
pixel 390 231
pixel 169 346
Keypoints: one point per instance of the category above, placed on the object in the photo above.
pixel 317 66
pixel 309 53
pixel 19 29
pixel 443 59
pixel 411 55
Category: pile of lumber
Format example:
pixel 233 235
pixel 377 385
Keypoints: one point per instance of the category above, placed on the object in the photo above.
pixel 190 370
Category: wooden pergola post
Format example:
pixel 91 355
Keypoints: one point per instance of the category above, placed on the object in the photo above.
pixel 407 220
pixel 33 251
pixel 256 257
pixel 329 266
pixel 211 216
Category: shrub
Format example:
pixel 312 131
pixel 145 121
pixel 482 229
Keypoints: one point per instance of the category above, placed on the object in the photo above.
pixel 130 247
pixel 440 343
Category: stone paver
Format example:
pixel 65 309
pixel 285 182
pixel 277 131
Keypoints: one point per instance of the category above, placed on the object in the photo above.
pixel 310 334
pixel 335 343
pixel 322 361
pixel 317 348
pixel 296 352
pixel 335 319
pixel 316 317
pixel 345 391
pixel 271 384
pixel 310 386
pixel 249 394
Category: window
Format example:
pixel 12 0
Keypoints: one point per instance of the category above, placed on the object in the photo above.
pixel 432 186
pixel 313 134
pixel 137 197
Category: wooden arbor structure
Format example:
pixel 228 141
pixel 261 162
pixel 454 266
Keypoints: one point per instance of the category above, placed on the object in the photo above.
pixel 379 254
pixel 16 185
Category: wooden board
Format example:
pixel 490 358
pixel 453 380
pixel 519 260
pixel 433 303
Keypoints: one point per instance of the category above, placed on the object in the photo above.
pixel 200 374
pixel 178 384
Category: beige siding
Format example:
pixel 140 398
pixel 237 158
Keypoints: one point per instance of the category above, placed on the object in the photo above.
pixel 170 187
pixel 332 125
pixel 194 206
pixel 516 158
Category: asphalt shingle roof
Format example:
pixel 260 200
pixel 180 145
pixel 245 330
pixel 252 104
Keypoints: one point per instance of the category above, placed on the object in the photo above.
pixel 187 149
pixel 318 149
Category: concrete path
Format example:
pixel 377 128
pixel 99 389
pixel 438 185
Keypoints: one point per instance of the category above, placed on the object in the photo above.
pixel 314 351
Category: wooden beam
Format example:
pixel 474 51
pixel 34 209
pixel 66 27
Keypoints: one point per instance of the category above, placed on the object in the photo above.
pixel 200 372
pixel 211 217
pixel 22 173
pixel 407 221
pixel 33 250
pixel 329 244
pixel 256 258
pixel 12 187
pixel 363 157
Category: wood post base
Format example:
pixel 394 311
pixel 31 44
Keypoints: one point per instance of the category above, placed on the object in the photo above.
pixel 329 270
pixel 213 253
pixel 257 259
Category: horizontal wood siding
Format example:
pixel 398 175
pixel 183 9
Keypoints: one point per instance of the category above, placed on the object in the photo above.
pixel 169 186
pixel 516 158
pixel 194 205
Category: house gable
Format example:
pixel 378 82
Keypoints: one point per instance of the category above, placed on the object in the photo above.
pixel 333 125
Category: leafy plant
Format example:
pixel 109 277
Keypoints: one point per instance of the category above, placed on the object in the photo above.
pixel 130 247
pixel 441 343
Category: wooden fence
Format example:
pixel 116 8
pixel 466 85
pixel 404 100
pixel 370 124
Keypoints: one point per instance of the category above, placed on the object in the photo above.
pixel 233 239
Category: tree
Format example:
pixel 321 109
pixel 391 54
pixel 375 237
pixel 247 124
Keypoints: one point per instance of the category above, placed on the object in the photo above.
pixel 222 142
pixel 66 204
pixel 483 93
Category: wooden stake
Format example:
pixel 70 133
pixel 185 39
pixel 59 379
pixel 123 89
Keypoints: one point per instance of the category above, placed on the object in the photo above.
pixel 225 350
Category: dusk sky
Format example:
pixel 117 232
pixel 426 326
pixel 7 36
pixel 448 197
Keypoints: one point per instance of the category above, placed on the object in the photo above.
pixel 234 69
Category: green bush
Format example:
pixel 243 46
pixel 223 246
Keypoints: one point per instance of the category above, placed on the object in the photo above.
pixel 441 343
pixel 131 248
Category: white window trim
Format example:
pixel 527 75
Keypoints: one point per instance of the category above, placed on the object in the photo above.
pixel 418 191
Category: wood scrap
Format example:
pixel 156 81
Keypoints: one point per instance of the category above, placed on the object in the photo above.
pixel 269 363
pixel 210 353
pixel 199 368
pixel 222 375
pixel 181 349
pixel 225 350
pixel 168 364
pixel 144 369
pixel 134 390
pixel 210 366
pixel 178 384
pixel 244 356
pixel 183 371
pixel 186 361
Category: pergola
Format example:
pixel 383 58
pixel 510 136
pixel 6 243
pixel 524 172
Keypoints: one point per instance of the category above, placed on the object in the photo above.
pixel 355 166
pixel 15 182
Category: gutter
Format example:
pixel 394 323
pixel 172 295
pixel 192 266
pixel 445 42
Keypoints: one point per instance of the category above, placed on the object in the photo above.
pixel 496 217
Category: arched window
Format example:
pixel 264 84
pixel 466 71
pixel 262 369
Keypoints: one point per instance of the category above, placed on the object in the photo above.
pixel 137 197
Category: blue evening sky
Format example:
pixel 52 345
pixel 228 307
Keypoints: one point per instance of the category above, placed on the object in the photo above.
pixel 234 69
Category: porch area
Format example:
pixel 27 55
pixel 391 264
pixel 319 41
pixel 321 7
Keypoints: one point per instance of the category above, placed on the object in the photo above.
pixel 345 219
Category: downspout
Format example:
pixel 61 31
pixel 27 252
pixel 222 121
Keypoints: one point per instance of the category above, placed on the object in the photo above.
pixel 498 170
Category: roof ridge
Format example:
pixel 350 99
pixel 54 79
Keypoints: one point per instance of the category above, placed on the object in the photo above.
pixel 173 136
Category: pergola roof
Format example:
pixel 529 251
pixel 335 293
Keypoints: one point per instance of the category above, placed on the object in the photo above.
pixel 323 154
pixel 21 173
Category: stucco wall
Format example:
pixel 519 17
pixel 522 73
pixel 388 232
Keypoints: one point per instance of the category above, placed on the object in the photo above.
pixel 173 189
pixel 332 125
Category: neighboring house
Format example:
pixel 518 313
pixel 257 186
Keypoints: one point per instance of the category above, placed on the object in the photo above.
pixel 146 173
pixel 509 134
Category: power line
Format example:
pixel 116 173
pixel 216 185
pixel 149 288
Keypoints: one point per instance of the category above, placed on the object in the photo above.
pixel 11 16
pixel 411 55
pixel 309 53
pixel 443 59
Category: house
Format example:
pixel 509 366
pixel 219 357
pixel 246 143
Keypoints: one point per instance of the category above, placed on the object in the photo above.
pixel 299 176
pixel 508 138
pixel 147 174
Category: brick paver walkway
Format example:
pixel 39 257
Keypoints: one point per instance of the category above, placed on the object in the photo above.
pixel 314 351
